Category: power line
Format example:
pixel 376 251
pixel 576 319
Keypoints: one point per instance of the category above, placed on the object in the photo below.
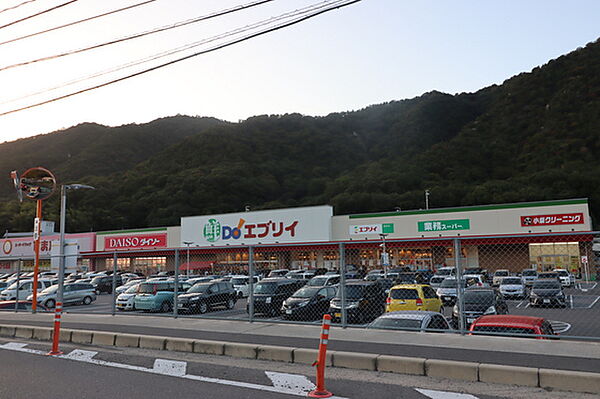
pixel 138 35
pixel 17 6
pixel 154 68
pixel 77 22
pixel 38 14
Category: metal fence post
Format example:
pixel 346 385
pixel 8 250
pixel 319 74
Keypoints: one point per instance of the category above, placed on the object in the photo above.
pixel 342 250
pixel 251 280
pixel 459 287
pixel 19 266
pixel 114 284
pixel 176 291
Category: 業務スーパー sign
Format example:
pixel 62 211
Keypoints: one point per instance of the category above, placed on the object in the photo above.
pixel 444 225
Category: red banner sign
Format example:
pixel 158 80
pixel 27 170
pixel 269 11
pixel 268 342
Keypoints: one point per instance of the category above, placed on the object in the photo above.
pixel 136 241
pixel 549 220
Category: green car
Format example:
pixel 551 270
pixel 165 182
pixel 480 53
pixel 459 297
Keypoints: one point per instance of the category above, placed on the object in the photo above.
pixel 157 295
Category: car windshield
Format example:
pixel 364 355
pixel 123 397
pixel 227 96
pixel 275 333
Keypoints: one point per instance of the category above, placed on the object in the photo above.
pixel 562 273
pixel 317 281
pixel 546 285
pixel 146 288
pixel 451 283
pixel 388 322
pixel 50 290
pixel 501 273
pixel 307 292
pixel 511 281
pixel 437 280
pixel 97 279
pixel 265 288
pixel 479 297
pixel 13 286
pixel 352 292
pixel 199 288
pixel 404 293
pixel 239 280
pixel 529 272
pixel 444 272
pixel 132 289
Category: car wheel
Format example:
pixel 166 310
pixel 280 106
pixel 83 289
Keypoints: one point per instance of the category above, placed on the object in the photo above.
pixel 202 307
pixel 442 309
pixel 240 295
pixel 50 303
pixel 97 292
pixel 230 304
pixel 165 307
pixel 87 300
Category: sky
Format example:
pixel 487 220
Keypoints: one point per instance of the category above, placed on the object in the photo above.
pixel 367 53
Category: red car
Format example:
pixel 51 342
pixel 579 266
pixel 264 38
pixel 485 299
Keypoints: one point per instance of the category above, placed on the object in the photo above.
pixel 21 305
pixel 523 326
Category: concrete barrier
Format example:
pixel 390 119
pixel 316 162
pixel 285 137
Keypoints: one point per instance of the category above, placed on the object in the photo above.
pixel 103 338
pixel 309 356
pixel 209 347
pixel 42 333
pixel 64 335
pixel 275 353
pixel 247 351
pixel 7 331
pixel 127 340
pixel 150 342
pixel 180 345
pixel 24 332
pixel 81 337
pixel 564 380
pixel 401 365
pixel 453 370
pixel 351 360
pixel 511 375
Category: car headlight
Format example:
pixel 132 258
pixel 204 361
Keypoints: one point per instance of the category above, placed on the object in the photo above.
pixel 455 310
pixel 268 300
pixel 490 310
pixel 353 305
pixel 303 303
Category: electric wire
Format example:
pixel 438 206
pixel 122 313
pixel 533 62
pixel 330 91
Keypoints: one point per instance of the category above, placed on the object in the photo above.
pixel 77 22
pixel 16 6
pixel 141 34
pixel 163 65
pixel 38 14
pixel 179 49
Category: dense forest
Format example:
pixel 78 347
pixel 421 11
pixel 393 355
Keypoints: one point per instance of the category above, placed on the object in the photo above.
pixel 535 137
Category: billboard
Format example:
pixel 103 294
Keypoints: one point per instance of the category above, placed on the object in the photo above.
pixel 22 247
pixel 260 227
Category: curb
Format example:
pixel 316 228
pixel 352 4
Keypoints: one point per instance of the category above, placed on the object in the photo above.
pixel 564 380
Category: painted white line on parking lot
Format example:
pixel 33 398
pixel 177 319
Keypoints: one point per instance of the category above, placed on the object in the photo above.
pixel 571 296
pixel 177 370
pixel 560 327
pixel 445 395
pixel 593 303
pixel 292 382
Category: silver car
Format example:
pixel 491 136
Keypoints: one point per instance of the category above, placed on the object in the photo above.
pixel 73 293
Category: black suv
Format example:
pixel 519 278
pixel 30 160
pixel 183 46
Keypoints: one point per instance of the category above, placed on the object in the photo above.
pixel 104 283
pixel 547 293
pixel 365 301
pixel 479 302
pixel 203 296
pixel 270 293
pixel 308 303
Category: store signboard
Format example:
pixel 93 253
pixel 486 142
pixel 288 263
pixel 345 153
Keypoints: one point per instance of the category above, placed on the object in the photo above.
pixel 23 246
pixel 305 224
pixel 384 228
pixel 549 220
pixel 135 241
pixel 444 225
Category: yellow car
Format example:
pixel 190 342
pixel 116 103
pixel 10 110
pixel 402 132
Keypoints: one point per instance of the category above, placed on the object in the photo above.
pixel 413 297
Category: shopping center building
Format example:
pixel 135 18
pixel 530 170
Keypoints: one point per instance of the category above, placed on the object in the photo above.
pixel 543 235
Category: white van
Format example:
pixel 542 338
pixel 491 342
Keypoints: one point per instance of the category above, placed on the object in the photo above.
pixel 25 289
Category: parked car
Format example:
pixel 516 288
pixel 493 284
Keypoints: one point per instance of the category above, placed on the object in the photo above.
pixel 270 293
pixel 308 303
pixel 445 271
pixel 475 280
pixel 324 280
pixel 423 276
pixel 105 283
pixel 24 289
pixel 21 305
pixel 365 301
pixel 522 326
pixel 73 293
pixel 126 300
pixel 547 293
pixel 413 297
pixel 411 320
pixel 202 297
pixel 513 287
pixel 529 276
pixel 435 281
pixel 157 295
pixel 3 285
pixel 278 273
pixel 566 278
pixel 548 275
pixel 479 302
pixel 131 282
pixel 498 276
pixel 241 284
pixel 447 290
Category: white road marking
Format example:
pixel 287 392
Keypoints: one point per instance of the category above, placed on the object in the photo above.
pixel 571 296
pixel 445 395
pixel 292 382
pixel 165 367
pixel 560 326
pixel 170 367
pixel 593 303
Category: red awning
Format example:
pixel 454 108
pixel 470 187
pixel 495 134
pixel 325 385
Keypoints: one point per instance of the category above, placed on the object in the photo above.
pixel 200 265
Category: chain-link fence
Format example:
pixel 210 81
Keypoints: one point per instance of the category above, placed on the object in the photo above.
pixel 525 286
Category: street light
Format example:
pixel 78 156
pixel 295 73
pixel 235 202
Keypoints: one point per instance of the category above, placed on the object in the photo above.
pixel 61 267
pixel 187 264
pixel 385 259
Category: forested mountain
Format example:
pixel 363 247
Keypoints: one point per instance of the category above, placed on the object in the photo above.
pixel 534 137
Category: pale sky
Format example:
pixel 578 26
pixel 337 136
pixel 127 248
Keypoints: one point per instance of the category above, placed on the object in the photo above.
pixel 367 53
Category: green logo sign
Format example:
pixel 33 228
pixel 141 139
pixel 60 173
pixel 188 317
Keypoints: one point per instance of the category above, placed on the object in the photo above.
pixel 387 228
pixel 212 230
pixel 444 225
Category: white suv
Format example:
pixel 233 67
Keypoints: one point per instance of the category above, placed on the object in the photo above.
pixel 24 289
pixel 566 278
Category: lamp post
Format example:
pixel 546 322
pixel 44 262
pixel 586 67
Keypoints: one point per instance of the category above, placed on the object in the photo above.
pixel 385 260
pixel 426 199
pixel 187 264
pixel 61 267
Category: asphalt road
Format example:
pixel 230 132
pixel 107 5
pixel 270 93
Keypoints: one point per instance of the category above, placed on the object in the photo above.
pixel 96 372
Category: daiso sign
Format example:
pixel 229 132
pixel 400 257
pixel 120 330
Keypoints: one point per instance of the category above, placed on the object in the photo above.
pixel 138 241
pixel 260 227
